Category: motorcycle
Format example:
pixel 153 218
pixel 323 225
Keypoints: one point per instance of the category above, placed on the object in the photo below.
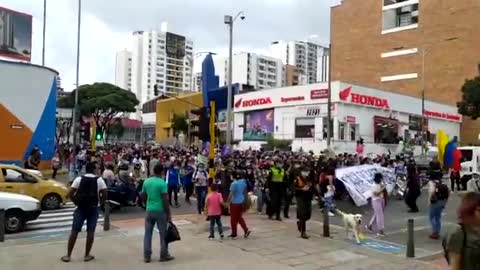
pixel 118 198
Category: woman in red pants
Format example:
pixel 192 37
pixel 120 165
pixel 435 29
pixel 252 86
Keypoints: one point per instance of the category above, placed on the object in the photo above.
pixel 237 198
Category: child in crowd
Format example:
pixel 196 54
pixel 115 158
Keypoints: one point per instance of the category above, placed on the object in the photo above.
pixel 214 204
pixel 329 200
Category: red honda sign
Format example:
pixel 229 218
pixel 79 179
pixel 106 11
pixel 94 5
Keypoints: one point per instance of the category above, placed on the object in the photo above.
pixel 252 102
pixel 290 99
pixel 363 99
pixel 319 93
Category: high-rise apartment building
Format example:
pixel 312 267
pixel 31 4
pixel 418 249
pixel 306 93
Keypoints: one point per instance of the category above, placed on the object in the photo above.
pixel 123 70
pixel 407 46
pixel 157 58
pixel 261 72
pixel 311 59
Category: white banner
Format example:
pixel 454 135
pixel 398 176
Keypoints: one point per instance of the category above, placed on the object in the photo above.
pixel 358 181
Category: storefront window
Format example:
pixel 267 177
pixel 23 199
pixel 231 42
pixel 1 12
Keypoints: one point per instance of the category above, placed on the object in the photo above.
pixel 353 132
pixel 341 131
pixel 386 130
pixel 305 128
pixel 325 128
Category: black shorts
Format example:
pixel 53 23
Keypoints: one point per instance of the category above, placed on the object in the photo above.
pixel 85 214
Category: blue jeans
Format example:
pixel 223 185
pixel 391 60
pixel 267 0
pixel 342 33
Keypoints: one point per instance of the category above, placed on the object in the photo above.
pixel 218 221
pixel 435 215
pixel 153 218
pixel 260 200
pixel 80 215
pixel 201 196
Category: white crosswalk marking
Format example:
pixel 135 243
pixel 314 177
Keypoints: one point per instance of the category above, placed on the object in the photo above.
pixel 53 221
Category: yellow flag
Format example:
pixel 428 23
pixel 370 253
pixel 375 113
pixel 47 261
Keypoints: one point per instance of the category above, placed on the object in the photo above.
pixel 442 141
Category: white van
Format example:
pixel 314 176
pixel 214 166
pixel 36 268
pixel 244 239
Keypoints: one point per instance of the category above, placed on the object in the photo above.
pixel 19 209
pixel 470 161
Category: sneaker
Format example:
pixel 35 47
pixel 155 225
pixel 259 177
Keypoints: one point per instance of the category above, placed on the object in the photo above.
pixel 221 236
pixel 247 234
pixel 232 236
pixel 434 236
pixel 369 228
pixel 330 214
pixel 147 260
pixel 211 237
pixel 167 258
pixel 380 234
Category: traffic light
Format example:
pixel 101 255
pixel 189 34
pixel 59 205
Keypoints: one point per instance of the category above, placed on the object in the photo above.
pixel 202 122
pixel 155 89
pixel 85 131
pixel 98 134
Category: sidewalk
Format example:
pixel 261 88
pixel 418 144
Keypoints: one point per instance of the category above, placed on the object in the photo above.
pixel 272 246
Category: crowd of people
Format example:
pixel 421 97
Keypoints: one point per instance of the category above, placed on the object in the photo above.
pixel 276 179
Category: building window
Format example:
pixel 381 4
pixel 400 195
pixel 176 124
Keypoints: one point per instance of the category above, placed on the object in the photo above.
pixel 385 130
pixel 305 128
pixel 353 132
pixel 401 17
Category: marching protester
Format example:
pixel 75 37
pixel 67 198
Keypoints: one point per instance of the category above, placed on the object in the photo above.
pixel 214 206
pixel 304 191
pixel 87 192
pixel 463 245
pixel 200 178
pixel 378 205
pixel 187 180
pixel 413 188
pixel 155 193
pixel 173 181
pixel 56 164
pixel 238 199
pixel 438 194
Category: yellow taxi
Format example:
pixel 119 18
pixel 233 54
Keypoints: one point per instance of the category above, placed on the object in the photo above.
pixel 50 193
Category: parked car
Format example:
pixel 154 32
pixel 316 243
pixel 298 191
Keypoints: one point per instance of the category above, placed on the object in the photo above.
pixel 50 193
pixel 19 209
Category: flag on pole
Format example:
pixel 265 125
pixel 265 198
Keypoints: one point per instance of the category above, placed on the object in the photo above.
pixel 442 141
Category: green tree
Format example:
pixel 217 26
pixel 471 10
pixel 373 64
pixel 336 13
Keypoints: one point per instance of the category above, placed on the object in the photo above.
pixel 470 104
pixel 179 123
pixel 101 101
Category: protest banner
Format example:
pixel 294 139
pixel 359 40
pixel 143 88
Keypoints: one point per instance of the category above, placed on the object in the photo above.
pixel 358 181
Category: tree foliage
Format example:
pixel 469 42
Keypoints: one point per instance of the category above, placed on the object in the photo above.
pixel 179 123
pixel 101 101
pixel 470 104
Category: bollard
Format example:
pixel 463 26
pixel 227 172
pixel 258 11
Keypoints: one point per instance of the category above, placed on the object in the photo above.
pixel 2 225
pixel 410 240
pixel 326 223
pixel 106 218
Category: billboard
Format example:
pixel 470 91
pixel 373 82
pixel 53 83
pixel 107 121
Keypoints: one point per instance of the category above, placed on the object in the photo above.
pixel 259 125
pixel 15 35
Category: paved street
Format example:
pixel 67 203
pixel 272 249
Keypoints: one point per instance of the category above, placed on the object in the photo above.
pixel 273 245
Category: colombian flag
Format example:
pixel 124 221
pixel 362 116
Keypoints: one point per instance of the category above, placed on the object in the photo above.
pixel 442 141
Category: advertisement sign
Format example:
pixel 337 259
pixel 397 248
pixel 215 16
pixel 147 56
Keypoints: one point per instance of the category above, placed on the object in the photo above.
pixel 309 111
pixel 15 35
pixel 350 119
pixel 446 116
pixel 319 93
pixel 358 181
pixel 259 125
pixel 242 103
pixel 290 99
pixel 361 99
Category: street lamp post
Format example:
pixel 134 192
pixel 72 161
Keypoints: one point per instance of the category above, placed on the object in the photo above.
pixel 75 107
pixel 329 101
pixel 229 20
pixel 44 30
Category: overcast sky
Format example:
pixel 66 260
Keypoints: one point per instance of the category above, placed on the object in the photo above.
pixel 107 26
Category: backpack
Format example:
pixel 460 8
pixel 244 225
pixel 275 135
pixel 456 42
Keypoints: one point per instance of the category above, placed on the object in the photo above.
pixel 87 193
pixel 464 244
pixel 441 192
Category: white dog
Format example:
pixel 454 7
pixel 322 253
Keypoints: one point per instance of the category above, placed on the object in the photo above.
pixel 352 221
pixel 253 200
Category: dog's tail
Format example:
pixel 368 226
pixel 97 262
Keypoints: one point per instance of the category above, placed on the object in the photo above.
pixel 340 212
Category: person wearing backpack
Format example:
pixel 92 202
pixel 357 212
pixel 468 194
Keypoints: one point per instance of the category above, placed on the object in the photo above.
pixel 462 247
pixel 200 178
pixel 438 196
pixel 87 192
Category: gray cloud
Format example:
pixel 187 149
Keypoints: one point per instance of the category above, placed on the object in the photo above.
pixel 107 24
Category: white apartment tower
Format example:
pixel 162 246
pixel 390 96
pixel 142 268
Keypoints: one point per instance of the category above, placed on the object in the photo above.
pixel 261 72
pixel 311 59
pixel 123 70
pixel 157 58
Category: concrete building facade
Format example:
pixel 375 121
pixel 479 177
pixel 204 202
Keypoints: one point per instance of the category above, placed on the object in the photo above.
pixel 310 58
pixel 123 70
pixel 259 71
pixel 404 46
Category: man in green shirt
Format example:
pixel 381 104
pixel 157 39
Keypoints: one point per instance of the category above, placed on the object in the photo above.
pixel 155 192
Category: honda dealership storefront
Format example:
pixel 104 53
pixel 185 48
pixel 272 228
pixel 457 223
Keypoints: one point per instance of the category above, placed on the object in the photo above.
pixel 299 113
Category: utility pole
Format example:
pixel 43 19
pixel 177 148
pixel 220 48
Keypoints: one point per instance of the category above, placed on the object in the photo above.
pixel 424 122
pixel 44 30
pixel 329 102
pixel 75 107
